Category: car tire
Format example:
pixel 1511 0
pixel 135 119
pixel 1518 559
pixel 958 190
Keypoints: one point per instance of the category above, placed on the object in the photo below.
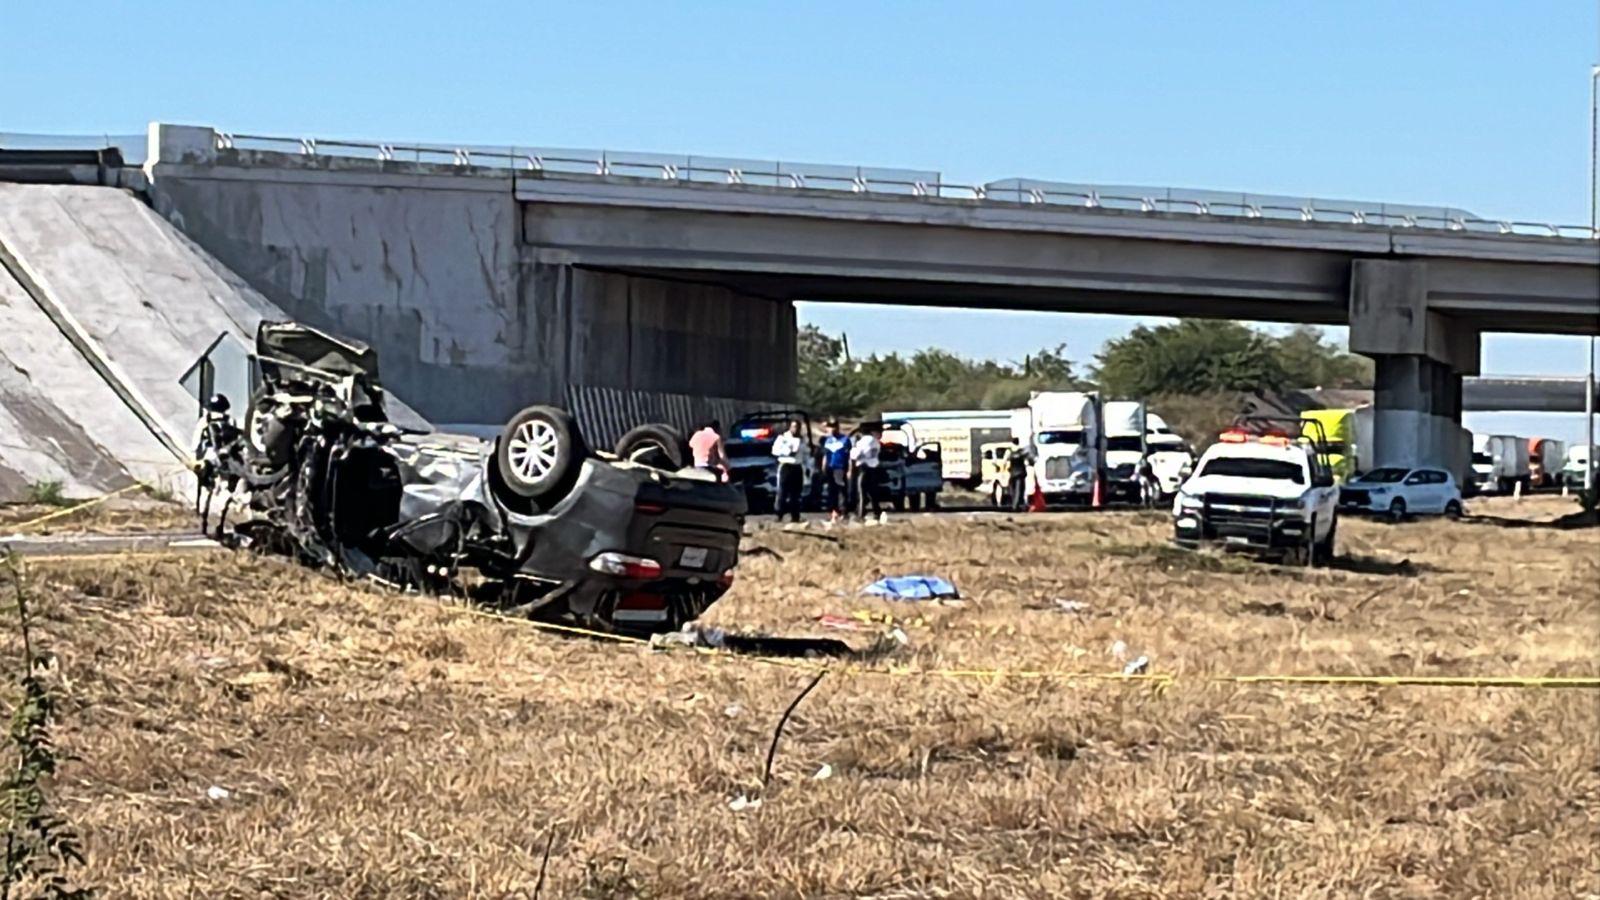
pixel 1324 549
pixel 1397 510
pixel 1453 509
pixel 657 445
pixel 914 501
pixel 540 453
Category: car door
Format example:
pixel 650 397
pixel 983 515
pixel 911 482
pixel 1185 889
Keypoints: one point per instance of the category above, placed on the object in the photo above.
pixel 1445 487
pixel 1415 490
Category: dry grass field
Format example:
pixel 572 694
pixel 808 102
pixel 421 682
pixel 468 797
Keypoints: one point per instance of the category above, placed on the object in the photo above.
pixel 245 728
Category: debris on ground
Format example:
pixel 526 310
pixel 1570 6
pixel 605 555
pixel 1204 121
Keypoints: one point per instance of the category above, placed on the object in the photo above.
pixel 1061 605
pixel 824 772
pixel 842 623
pixel 1138 667
pixel 742 803
pixel 866 620
pixel 912 588
pixel 709 638
pixel 821 536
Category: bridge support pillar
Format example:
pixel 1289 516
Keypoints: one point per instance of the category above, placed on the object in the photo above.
pixel 1420 358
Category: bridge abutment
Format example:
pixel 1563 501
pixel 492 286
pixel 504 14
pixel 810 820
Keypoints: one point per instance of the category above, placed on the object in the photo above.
pixel 1420 357
pixel 472 319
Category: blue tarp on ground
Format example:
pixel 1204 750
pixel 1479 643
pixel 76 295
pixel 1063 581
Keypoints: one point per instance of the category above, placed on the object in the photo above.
pixel 912 587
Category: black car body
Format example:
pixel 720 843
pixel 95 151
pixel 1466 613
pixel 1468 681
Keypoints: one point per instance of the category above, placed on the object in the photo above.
pixel 630 540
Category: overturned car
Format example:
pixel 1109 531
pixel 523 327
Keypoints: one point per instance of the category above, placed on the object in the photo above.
pixel 531 521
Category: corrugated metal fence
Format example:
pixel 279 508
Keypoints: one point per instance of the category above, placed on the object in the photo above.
pixel 605 413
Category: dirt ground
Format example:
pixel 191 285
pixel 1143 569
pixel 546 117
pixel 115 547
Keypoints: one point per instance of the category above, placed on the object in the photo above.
pixel 244 728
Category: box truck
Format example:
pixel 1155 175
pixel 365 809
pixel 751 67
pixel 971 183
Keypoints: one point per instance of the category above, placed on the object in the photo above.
pixel 1499 463
pixel 961 435
pixel 1546 456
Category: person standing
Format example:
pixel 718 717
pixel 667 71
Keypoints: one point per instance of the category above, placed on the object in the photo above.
pixel 836 469
pixel 787 448
pixel 866 475
pixel 706 447
pixel 1017 477
pixel 1149 487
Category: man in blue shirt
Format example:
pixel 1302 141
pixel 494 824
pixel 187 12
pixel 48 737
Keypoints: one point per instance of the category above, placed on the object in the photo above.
pixel 835 468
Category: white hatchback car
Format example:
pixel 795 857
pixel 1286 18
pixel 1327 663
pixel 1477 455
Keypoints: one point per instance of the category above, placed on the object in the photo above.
pixel 1399 492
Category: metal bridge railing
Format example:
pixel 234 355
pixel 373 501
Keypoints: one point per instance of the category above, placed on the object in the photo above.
pixel 912 183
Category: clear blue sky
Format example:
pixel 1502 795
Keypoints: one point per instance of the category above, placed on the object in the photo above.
pixel 1471 103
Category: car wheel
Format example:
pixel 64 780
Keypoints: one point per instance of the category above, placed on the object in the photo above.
pixel 1324 548
pixel 915 502
pixel 656 445
pixel 540 453
pixel 1397 510
pixel 1453 509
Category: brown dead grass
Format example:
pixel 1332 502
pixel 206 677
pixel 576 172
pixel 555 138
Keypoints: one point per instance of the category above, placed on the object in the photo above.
pixel 120 515
pixel 377 745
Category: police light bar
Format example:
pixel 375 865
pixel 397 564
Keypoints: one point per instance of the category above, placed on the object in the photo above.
pixel 756 433
pixel 1233 436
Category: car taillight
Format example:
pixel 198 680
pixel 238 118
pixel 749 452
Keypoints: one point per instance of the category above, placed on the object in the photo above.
pixel 650 509
pixel 725 579
pixel 625 566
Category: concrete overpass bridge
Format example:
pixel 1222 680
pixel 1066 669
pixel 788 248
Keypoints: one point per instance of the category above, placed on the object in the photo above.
pixel 491 277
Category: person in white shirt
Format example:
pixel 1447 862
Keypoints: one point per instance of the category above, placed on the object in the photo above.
pixel 866 477
pixel 787 447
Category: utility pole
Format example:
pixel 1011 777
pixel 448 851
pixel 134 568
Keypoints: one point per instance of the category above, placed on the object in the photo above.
pixel 1594 235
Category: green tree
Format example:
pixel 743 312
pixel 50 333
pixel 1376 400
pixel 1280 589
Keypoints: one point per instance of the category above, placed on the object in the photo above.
pixel 931 378
pixel 1189 357
pixel 826 380
pixel 1309 360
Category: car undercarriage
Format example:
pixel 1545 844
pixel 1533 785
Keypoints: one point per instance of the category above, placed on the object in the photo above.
pixel 530 521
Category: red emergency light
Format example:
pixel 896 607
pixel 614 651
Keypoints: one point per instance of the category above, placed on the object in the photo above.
pixel 1233 436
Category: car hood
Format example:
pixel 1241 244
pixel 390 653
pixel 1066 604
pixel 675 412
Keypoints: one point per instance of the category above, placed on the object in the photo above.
pixel 1276 488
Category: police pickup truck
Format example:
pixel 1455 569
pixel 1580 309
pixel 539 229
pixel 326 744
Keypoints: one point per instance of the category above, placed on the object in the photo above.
pixel 1260 490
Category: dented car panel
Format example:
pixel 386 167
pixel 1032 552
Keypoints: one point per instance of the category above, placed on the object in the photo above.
pixel 552 529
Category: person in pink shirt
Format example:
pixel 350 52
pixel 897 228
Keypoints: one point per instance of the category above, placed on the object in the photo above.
pixel 706 446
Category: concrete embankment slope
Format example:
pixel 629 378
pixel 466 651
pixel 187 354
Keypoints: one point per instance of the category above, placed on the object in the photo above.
pixel 103 305
pixel 59 421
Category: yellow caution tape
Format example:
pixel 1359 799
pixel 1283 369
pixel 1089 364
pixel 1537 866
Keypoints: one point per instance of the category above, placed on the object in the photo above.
pixel 76 507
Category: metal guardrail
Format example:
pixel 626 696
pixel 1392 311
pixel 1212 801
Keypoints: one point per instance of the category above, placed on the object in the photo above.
pixel 914 183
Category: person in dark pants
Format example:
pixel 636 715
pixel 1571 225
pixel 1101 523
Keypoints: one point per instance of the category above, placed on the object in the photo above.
pixel 836 469
pixel 866 474
pixel 787 447
pixel 1017 477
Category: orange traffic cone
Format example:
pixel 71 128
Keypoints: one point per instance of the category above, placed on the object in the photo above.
pixel 1095 500
pixel 1036 500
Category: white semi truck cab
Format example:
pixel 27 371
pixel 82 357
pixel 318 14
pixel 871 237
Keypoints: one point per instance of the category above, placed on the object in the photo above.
pixel 1062 429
